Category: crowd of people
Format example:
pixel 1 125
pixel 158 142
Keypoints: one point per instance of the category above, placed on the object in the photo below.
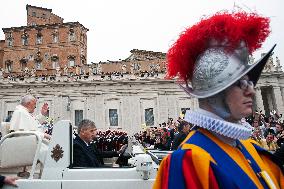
pixel 74 77
pixel 82 74
pixel 167 136
pixel 267 127
pixel 110 140
pixel 268 132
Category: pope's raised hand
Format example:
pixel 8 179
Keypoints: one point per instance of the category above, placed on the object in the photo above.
pixel 44 109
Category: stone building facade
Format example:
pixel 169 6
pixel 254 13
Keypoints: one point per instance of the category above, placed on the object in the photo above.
pixel 117 104
pixel 120 95
pixel 44 46
pixel 125 101
pixel 270 88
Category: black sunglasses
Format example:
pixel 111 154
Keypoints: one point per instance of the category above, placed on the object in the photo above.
pixel 244 84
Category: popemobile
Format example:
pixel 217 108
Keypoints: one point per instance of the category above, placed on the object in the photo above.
pixel 21 150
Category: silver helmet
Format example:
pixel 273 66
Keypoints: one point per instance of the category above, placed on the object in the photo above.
pixel 215 70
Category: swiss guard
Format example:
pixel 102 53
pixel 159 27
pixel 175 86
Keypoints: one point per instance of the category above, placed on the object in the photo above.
pixel 212 61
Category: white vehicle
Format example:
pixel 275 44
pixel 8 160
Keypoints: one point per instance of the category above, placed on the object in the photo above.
pixel 22 149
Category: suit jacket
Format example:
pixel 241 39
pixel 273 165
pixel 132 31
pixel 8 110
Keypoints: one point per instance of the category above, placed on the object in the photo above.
pixel 88 156
pixel 1 181
pixel 178 140
pixel 280 153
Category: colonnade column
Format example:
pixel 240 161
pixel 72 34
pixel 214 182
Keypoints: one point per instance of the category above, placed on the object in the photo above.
pixel 258 99
pixel 278 99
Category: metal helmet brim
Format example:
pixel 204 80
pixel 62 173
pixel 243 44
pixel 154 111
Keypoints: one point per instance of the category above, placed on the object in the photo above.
pixel 256 70
pixel 253 71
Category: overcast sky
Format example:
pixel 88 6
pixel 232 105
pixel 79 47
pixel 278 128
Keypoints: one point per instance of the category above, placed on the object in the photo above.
pixel 118 26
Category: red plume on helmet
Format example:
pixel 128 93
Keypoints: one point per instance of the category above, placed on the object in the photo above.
pixel 228 29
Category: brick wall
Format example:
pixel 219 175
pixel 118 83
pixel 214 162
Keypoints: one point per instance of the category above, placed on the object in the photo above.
pixel 41 16
pixel 48 48
pixel 55 19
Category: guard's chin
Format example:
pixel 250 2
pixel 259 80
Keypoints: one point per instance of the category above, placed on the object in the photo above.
pixel 247 112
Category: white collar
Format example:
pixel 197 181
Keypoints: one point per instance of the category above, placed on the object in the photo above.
pixel 216 124
pixel 87 144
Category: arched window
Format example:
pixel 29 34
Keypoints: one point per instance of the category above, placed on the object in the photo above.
pixel 9 66
pixel 71 61
pixel 39 39
pixel 72 36
pixel 25 39
pixel 24 63
pixel 38 64
pixel 55 37
pixel 55 61
pixel 9 40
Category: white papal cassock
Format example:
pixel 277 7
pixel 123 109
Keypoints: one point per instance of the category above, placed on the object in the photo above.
pixel 22 120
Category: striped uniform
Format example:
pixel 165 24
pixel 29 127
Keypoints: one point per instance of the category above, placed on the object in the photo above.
pixel 204 161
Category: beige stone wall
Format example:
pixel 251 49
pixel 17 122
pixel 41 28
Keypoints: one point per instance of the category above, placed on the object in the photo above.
pixel 269 92
pixel 130 97
pixel 95 98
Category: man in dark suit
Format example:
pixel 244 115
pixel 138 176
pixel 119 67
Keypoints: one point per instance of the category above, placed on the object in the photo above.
pixel 84 153
pixel 183 129
pixel 280 153
pixel 7 180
